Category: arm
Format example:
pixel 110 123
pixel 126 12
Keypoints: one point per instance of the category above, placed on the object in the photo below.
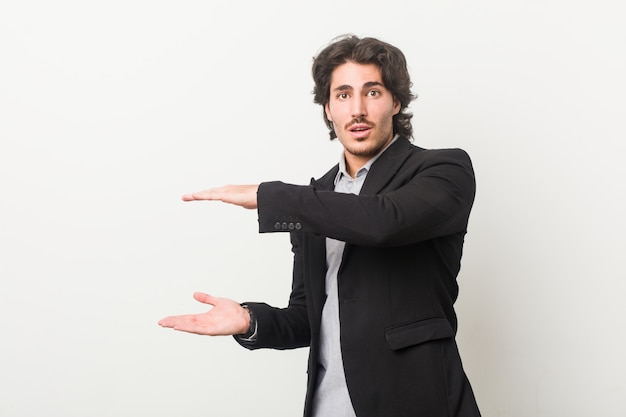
pixel 428 199
pixel 424 200
pixel 283 328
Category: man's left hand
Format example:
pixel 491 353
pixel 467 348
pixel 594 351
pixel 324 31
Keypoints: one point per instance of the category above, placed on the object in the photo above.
pixel 239 195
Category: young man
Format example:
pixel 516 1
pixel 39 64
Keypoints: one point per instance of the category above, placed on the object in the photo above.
pixel 377 243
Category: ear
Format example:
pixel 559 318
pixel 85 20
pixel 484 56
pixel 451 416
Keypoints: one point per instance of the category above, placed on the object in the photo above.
pixel 396 106
pixel 327 110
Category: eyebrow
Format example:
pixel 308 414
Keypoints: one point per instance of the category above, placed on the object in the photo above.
pixel 346 87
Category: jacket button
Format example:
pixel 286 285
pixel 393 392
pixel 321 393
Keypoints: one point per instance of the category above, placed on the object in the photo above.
pixel 298 226
pixel 291 226
pixel 277 226
pixel 284 226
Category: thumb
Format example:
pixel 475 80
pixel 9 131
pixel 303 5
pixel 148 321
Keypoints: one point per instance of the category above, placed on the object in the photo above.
pixel 205 298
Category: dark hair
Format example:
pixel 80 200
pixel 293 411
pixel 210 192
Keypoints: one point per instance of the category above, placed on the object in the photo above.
pixel 389 59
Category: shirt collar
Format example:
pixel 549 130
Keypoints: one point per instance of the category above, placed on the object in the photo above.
pixel 365 168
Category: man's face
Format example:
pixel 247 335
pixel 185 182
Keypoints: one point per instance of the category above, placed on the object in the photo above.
pixel 361 110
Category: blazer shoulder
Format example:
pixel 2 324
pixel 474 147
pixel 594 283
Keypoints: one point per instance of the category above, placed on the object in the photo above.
pixel 429 157
pixel 443 153
pixel 404 145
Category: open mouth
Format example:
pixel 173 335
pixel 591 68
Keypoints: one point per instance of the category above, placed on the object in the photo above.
pixel 360 130
pixel 360 127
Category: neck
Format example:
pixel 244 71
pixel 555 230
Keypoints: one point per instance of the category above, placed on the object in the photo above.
pixel 354 163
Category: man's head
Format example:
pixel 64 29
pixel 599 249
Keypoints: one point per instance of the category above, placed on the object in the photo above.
pixel 390 62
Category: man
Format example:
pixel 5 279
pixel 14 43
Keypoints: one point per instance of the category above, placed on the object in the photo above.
pixel 377 244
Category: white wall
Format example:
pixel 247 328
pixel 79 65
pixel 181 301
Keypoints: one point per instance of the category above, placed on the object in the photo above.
pixel 109 111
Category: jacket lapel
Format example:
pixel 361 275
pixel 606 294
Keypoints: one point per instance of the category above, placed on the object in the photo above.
pixel 381 173
pixel 386 167
pixel 327 182
pixel 316 254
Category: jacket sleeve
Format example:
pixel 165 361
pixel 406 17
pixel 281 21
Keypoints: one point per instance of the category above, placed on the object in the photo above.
pixel 425 199
pixel 283 328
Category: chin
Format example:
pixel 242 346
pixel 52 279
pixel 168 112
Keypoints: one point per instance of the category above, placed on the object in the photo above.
pixel 367 151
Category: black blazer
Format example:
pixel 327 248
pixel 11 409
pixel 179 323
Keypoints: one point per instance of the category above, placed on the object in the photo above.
pixel 397 281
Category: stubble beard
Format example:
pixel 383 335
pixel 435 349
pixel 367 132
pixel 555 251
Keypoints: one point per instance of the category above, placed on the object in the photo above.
pixel 367 152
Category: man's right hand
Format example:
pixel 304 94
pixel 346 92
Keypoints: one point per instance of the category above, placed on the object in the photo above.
pixel 226 318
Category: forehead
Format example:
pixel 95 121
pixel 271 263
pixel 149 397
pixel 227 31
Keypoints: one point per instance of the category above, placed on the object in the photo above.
pixel 351 74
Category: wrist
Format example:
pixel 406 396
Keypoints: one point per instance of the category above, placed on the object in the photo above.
pixel 250 322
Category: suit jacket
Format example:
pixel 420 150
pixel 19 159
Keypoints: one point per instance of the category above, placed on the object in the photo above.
pixel 397 282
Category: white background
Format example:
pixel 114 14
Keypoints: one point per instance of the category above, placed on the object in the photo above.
pixel 110 111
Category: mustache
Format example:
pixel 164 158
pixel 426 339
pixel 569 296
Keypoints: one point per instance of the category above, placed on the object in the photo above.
pixel 359 120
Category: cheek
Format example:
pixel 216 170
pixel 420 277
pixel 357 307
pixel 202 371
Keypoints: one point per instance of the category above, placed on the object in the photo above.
pixel 395 110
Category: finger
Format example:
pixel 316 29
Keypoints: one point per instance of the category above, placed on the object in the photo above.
pixel 171 321
pixel 196 196
pixel 205 298
pixel 210 194
pixel 188 197
pixel 185 323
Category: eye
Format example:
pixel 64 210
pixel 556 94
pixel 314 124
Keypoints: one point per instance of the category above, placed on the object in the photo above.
pixel 342 96
pixel 373 93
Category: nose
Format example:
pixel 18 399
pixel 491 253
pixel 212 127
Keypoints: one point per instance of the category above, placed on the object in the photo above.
pixel 358 107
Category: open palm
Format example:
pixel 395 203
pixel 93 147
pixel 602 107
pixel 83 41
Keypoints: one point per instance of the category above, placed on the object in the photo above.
pixel 227 317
